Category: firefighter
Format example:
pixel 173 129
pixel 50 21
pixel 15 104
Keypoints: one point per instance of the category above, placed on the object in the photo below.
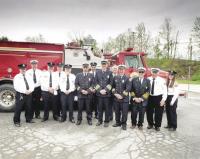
pixel 67 87
pixel 24 86
pixel 114 70
pixel 172 100
pixel 49 87
pixel 104 81
pixel 35 74
pixel 156 102
pixel 84 83
pixel 121 89
pixel 94 100
pixel 59 72
pixel 139 95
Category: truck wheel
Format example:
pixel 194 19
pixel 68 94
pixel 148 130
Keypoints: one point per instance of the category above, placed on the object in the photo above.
pixel 7 97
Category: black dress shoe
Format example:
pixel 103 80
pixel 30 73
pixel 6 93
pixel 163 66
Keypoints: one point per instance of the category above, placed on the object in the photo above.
pixel 172 129
pixel 123 127
pixel 133 126
pixel 140 127
pixel 72 121
pixel 117 125
pixel 157 128
pixel 78 122
pixel 149 127
pixel 89 122
pixel 111 119
pixel 43 120
pixel 98 123
pixel 167 127
pixel 31 121
pixel 38 117
pixel 106 125
pixel 17 124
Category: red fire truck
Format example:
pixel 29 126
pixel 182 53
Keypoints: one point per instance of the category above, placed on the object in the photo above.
pixel 13 53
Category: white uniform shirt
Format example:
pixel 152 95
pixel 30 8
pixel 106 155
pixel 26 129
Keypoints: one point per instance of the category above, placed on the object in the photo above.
pixel 37 74
pixel 174 90
pixel 19 83
pixel 63 82
pixel 45 79
pixel 160 87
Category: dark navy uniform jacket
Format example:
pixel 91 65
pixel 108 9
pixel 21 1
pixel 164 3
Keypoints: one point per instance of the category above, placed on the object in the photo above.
pixel 84 83
pixel 122 86
pixel 140 90
pixel 103 80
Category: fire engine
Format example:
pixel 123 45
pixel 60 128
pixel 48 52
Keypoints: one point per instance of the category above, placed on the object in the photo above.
pixel 13 53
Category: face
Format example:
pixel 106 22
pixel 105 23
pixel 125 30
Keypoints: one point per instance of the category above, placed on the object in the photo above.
pixel 121 71
pixel 104 66
pixel 93 68
pixel 141 73
pixel 59 69
pixel 67 70
pixel 85 69
pixel 34 66
pixel 50 68
pixel 22 71
pixel 115 70
pixel 154 74
pixel 171 76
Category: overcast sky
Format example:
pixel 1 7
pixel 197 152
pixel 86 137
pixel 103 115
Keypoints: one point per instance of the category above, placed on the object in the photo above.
pixel 101 18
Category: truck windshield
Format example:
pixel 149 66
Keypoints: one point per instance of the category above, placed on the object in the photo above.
pixel 133 61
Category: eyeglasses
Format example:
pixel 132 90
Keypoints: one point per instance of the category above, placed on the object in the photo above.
pixel 141 71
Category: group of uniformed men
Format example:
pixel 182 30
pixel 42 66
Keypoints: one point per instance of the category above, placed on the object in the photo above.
pixel 97 90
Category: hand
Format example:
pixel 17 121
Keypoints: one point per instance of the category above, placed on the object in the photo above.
pixel 171 103
pixel 103 91
pixel 67 92
pixel 28 92
pixel 162 103
pixel 141 100
pixel 84 92
pixel 51 90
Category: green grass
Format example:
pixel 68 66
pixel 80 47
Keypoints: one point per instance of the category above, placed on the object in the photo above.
pixel 186 82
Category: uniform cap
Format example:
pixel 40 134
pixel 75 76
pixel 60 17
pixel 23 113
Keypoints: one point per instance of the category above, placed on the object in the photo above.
pixel 141 69
pixel 22 66
pixel 172 72
pixel 155 70
pixel 104 62
pixel 93 64
pixel 34 61
pixel 67 66
pixel 51 64
pixel 85 65
pixel 59 64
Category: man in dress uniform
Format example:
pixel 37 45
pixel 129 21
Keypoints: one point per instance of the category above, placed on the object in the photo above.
pixel 84 83
pixel 156 102
pixel 35 74
pixel 59 72
pixel 49 87
pixel 67 87
pixel 114 70
pixel 121 89
pixel 104 81
pixel 24 86
pixel 139 95
pixel 94 100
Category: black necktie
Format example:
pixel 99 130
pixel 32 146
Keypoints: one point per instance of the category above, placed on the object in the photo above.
pixel 34 77
pixel 152 88
pixel 50 80
pixel 26 83
pixel 67 84
pixel 59 74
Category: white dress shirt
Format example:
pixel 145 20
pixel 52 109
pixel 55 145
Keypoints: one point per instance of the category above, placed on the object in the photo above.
pixel 160 87
pixel 19 83
pixel 45 79
pixel 37 74
pixel 63 82
pixel 174 91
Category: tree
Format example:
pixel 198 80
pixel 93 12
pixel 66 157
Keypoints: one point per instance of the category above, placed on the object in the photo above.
pixel 156 48
pixel 196 31
pixel 39 38
pixel 4 38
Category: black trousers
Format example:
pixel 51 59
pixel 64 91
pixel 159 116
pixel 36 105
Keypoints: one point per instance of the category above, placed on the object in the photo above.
pixel 137 109
pixel 103 102
pixel 81 103
pixel 67 102
pixel 36 103
pixel 58 102
pixel 49 101
pixel 111 107
pixel 94 104
pixel 121 112
pixel 154 111
pixel 22 99
pixel 171 112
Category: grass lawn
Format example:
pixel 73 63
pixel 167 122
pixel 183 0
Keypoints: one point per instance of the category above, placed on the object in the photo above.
pixel 186 82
